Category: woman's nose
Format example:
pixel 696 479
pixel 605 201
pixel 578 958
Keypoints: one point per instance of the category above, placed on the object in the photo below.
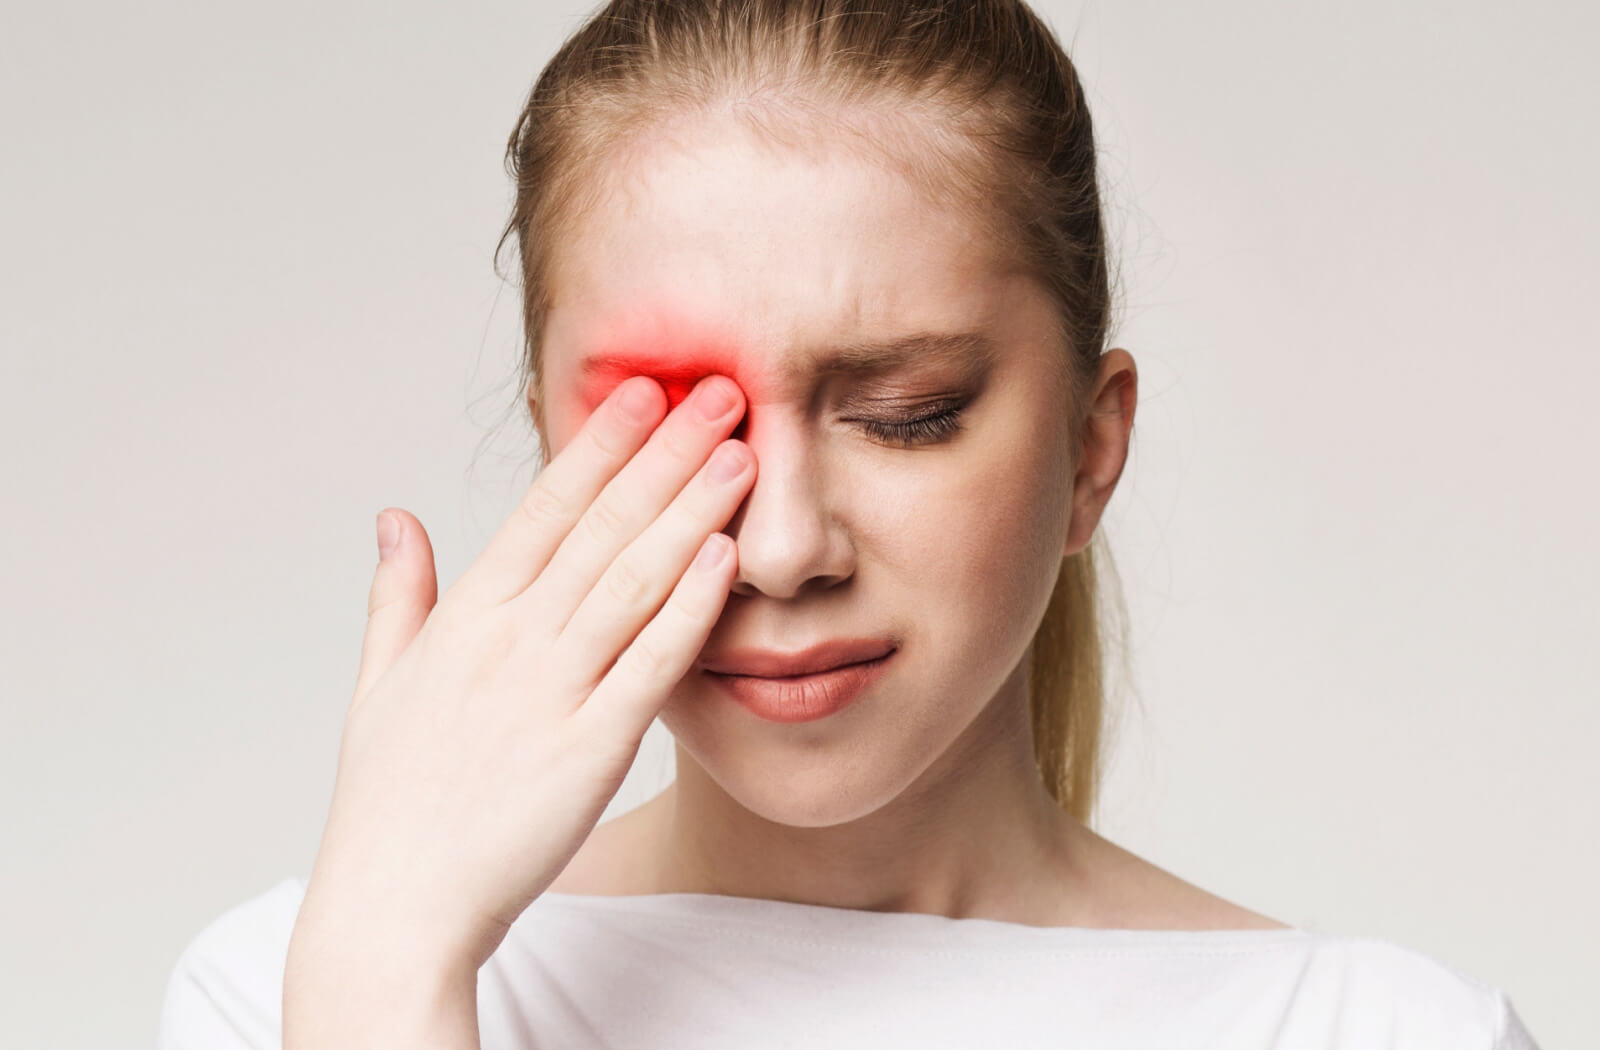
pixel 788 532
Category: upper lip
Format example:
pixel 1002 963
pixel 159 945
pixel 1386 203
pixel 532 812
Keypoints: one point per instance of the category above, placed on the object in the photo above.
pixel 824 656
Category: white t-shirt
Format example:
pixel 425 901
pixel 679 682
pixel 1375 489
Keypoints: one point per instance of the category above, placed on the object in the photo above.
pixel 733 973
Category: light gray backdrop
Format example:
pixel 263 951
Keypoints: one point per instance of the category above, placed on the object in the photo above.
pixel 248 301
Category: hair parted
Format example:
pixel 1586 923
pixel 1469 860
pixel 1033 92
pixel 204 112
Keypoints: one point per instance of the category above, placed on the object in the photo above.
pixel 974 101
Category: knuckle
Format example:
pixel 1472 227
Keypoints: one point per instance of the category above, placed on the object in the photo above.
pixel 683 613
pixel 626 584
pixel 378 600
pixel 648 659
pixel 614 443
pixel 602 522
pixel 681 446
pixel 543 509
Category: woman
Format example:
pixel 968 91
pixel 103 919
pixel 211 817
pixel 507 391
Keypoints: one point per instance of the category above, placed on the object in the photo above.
pixel 816 301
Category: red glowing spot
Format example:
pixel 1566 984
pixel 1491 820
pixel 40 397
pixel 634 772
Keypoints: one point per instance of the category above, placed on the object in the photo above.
pixel 675 345
pixel 677 375
pixel 678 369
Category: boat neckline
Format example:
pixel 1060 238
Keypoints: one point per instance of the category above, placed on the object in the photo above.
pixel 829 918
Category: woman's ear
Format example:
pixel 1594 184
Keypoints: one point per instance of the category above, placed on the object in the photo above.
pixel 1107 427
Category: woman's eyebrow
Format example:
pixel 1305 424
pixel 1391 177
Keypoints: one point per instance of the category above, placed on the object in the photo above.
pixel 973 351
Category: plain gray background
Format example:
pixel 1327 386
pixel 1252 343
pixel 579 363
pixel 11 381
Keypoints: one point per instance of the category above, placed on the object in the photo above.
pixel 248 301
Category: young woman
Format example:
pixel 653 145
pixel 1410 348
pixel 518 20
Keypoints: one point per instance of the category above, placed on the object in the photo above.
pixel 816 299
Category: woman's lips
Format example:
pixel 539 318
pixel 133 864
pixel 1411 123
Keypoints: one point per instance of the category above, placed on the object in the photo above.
pixel 813 659
pixel 802 698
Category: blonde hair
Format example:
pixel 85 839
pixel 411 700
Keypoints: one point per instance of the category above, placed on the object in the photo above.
pixel 1003 134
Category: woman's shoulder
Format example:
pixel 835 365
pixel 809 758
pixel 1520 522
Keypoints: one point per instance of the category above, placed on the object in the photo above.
pixel 225 990
pixel 1391 994
pixel 1369 984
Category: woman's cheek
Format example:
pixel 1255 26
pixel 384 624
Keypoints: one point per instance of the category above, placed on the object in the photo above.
pixel 1001 522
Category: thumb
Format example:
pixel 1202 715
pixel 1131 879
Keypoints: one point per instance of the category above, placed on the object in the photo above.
pixel 404 590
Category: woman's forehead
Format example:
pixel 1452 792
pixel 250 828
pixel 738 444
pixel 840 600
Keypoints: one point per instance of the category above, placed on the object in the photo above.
pixel 716 252
pixel 727 220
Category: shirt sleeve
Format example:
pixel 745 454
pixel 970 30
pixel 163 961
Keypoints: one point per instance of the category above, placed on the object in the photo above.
pixel 225 991
pixel 1511 1033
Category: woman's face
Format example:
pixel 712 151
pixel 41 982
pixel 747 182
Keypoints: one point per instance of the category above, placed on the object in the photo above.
pixel 713 248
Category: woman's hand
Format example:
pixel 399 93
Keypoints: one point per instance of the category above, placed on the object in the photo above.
pixel 489 731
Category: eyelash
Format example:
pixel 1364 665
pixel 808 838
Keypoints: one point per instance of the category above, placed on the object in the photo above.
pixel 923 430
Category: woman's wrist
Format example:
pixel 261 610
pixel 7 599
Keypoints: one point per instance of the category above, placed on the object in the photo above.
pixel 352 986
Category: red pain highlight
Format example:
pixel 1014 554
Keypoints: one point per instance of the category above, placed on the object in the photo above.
pixel 678 371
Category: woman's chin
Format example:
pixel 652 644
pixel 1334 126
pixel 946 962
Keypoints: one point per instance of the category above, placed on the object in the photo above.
pixel 805 787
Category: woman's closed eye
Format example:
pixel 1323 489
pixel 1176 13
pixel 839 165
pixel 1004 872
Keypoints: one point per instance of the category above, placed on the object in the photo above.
pixel 917 430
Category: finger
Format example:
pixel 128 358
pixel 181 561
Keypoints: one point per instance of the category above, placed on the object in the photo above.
pixel 404 590
pixel 637 582
pixel 627 700
pixel 632 501
pixel 564 489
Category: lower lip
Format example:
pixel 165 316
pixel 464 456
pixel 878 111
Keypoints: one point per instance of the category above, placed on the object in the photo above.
pixel 803 698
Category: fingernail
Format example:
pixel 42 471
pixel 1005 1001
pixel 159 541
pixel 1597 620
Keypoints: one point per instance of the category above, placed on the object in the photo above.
pixel 388 534
pixel 716 397
pixel 727 463
pixel 712 554
pixel 637 401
